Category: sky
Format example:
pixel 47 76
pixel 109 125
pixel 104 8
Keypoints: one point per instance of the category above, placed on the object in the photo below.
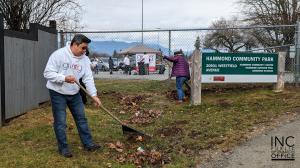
pixel 102 15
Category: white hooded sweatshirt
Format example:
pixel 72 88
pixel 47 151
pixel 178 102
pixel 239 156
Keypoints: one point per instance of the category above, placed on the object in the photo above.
pixel 63 63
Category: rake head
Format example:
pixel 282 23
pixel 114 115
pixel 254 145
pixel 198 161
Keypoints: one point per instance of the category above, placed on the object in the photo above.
pixel 132 132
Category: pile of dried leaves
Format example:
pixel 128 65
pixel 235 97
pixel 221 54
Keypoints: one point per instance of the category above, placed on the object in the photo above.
pixel 139 156
pixel 133 105
pixel 144 116
pixel 133 100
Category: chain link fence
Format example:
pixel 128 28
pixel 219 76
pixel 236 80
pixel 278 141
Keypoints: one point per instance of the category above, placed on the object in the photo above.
pixel 236 39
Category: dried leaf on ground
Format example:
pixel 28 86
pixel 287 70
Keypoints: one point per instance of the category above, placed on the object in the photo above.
pixel 121 158
pixel 118 146
pixel 122 112
pixel 111 145
pixel 139 138
pixel 145 116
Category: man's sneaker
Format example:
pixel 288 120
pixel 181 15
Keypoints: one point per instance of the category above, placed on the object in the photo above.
pixel 66 153
pixel 92 148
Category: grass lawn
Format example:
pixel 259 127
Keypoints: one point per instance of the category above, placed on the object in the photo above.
pixel 182 134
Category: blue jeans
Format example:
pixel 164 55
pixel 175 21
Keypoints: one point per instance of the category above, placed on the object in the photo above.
pixel 74 102
pixel 179 84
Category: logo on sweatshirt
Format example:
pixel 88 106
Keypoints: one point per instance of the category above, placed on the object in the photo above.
pixel 77 67
pixel 65 66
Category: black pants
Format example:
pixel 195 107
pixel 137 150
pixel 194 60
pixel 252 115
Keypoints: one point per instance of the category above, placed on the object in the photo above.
pixel 82 93
pixel 127 69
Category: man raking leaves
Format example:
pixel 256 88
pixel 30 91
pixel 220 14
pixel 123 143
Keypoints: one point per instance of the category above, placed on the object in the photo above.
pixel 64 67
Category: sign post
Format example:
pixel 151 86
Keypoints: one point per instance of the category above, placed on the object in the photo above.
pixel 196 75
pixel 281 68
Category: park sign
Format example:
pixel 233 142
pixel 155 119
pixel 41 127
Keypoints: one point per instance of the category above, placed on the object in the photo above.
pixel 239 68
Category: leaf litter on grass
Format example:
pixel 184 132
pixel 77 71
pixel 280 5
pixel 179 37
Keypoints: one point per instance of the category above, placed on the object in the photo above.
pixel 133 153
pixel 133 105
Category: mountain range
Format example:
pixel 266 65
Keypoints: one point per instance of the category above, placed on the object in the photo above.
pixel 109 47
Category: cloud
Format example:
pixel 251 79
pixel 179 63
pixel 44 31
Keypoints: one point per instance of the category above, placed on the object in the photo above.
pixel 164 14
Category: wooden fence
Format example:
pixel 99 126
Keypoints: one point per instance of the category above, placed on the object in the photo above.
pixel 23 57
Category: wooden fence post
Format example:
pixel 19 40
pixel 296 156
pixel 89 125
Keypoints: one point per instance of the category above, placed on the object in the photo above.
pixel 280 72
pixel 196 75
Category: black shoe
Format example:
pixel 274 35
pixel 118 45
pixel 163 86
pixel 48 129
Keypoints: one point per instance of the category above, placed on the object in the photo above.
pixel 92 148
pixel 66 153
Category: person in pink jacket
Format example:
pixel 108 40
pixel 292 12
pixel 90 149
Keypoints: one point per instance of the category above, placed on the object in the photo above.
pixel 181 71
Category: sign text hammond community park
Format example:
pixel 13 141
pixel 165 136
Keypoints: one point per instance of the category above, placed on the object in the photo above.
pixel 239 68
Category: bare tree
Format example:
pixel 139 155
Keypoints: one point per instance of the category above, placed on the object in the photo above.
pixel 19 13
pixel 70 21
pixel 222 35
pixel 272 12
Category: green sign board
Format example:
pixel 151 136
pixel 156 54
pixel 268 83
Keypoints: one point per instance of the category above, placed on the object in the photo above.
pixel 239 63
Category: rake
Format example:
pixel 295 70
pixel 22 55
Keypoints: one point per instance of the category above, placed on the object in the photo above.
pixel 125 128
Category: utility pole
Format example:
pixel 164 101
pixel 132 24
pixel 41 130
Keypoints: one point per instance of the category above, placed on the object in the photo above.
pixel 142 21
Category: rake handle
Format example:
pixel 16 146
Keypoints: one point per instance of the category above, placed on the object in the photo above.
pixel 101 106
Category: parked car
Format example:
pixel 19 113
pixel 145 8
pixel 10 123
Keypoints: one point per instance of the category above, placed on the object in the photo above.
pixel 103 66
pixel 121 66
pixel 104 61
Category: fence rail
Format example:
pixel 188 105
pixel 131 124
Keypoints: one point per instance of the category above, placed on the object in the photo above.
pixel 195 29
